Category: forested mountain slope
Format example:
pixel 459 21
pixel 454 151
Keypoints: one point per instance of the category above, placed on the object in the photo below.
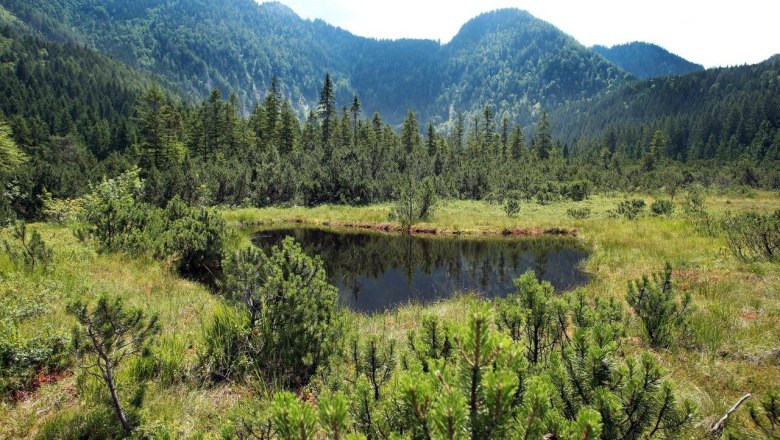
pixel 646 60
pixel 507 58
pixel 725 114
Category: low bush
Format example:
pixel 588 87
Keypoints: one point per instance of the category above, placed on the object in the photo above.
pixel 486 388
pixel 655 302
pixel 753 236
pixel 291 306
pixel 28 250
pixel 115 217
pixel 578 190
pixel 662 207
pixel 631 209
pixel 23 357
pixel 512 206
pixel 578 213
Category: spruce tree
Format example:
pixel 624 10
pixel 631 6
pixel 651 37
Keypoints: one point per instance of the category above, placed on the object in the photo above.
pixel 517 143
pixel 543 143
pixel 355 110
pixel 326 109
pixel 152 110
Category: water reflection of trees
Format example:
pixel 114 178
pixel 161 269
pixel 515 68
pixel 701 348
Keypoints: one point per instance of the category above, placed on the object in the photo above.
pixel 351 255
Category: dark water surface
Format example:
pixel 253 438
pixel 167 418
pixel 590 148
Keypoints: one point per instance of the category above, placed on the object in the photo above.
pixel 377 271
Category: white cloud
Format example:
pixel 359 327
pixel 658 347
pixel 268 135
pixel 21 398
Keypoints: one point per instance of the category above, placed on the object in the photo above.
pixel 715 33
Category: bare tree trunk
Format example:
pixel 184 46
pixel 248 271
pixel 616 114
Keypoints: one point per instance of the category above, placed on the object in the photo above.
pixel 115 397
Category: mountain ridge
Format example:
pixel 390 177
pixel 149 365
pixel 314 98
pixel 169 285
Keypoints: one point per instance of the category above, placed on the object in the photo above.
pixel 238 45
pixel 646 60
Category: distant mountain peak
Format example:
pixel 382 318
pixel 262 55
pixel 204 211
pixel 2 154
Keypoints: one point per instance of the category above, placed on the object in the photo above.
pixel 279 8
pixel 646 60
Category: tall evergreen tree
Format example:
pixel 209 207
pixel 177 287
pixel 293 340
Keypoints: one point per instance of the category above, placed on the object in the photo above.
pixel 430 140
pixel 504 137
pixel 272 108
pixel 543 143
pixel 410 133
pixel 517 143
pixel 327 109
pixel 355 110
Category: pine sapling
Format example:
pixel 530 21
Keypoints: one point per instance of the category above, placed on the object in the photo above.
pixel 105 336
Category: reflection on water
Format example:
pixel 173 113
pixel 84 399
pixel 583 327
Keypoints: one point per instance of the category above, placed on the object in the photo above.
pixel 376 271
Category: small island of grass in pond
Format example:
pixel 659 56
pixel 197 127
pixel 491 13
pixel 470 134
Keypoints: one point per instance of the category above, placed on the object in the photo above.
pixel 377 271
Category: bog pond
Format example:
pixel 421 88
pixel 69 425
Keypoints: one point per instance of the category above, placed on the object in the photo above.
pixel 376 271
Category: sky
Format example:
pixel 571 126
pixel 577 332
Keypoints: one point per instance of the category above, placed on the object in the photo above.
pixel 712 33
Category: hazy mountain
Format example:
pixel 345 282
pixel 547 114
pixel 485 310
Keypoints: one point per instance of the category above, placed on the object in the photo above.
pixel 646 60
pixel 507 58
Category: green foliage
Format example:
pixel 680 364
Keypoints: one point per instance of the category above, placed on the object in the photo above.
pixel 578 190
pixel 225 354
pixel 662 207
pixel 333 415
pixel 112 215
pixel 533 315
pixel 486 388
pixel 374 359
pixel 292 309
pixel 22 357
pixel 196 237
pixel 105 336
pixel 714 126
pixel 30 251
pixel 116 217
pixel 11 157
pixel 431 342
pixel 293 419
pixel 766 415
pixel 664 317
pixel 753 236
pixel 512 206
pixel 415 203
pixel 578 213
pixel 630 209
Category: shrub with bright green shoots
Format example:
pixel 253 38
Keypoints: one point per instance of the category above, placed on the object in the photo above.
pixel 373 358
pixel 333 415
pixel 533 315
pixel 292 309
pixel 655 302
pixel 293 419
pixel 432 341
